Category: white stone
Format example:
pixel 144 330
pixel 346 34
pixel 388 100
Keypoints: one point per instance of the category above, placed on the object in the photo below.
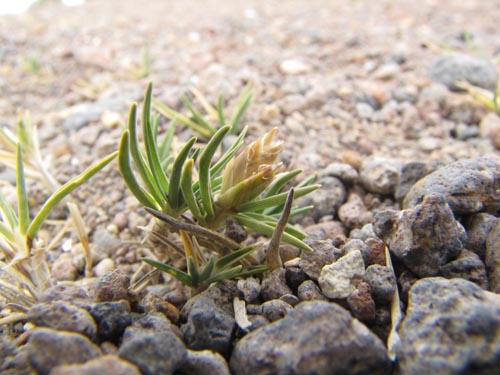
pixel 340 279
pixel 294 67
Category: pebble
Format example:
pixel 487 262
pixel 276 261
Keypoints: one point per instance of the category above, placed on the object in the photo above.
pixel 326 200
pixel 294 276
pixel 467 266
pixel 448 69
pixel 382 283
pixel 327 230
pixel 63 268
pixel 111 318
pixel 63 316
pixel 274 285
pixel 468 185
pixel 354 213
pixel 380 175
pixel 112 286
pixel 361 303
pixel 315 338
pixel 64 292
pixel 478 228
pixel 423 238
pixel 294 66
pixel 343 171
pixel 309 291
pixel 410 173
pixel 312 262
pixel 107 364
pixel 341 278
pixel 48 348
pixel 451 327
pixel 205 362
pixel 152 304
pixel 275 309
pixel 104 267
pixel 492 257
pixel 356 244
pixel 250 288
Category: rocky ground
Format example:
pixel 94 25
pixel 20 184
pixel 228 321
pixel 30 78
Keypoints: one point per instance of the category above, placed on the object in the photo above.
pixel 363 94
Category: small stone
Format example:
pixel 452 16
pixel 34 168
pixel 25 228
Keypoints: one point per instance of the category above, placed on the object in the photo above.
pixel 63 316
pixel 112 286
pixel 309 291
pixel 354 213
pixel 326 200
pixel 449 69
pixel 364 234
pixel 107 364
pixel 478 228
pixel 469 186
pixel 205 362
pixel 341 278
pixel 346 173
pixel 382 283
pixel 361 303
pixel 63 292
pixel 357 244
pixel 250 288
pixel 380 175
pixel 451 327
pixel 63 268
pixel 377 252
pixel 275 309
pixel 274 285
pixel 154 352
pixel 112 318
pixel 209 327
pixel 294 277
pixel 294 66
pixel 48 348
pixel 152 303
pixel 291 299
pixel 105 266
pixel 315 338
pixel 467 266
pixel 423 238
pixel 410 174
pixel 492 257
pixel 387 71
pixel 312 262
pixel 327 230
pixel 364 110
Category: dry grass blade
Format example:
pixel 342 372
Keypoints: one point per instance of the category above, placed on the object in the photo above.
pixel 393 340
pixel 77 219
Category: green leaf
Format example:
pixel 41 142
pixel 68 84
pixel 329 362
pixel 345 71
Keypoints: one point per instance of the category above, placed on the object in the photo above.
pixel 166 143
pixel 171 114
pixel 23 211
pixel 243 104
pixel 128 175
pixel 150 143
pixel 253 270
pixel 7 232
pixel 269 229
pixel 197 115
pixel 208 269
pixel 271 202
pixel 233 257
pixel 271 220
pixel 174 192
pixel 281 180
pixel 225 275
pixel 229 154
pixel 183 277
pixel 8 212
pixel 193 270
pixel 204 170
pixel 63 191
pixel 220 110
pixel 187 190
pixel 139 160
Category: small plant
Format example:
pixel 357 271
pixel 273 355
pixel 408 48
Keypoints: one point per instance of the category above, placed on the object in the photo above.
pixel 22 255
pixel 485 97
pixel 203 124
pixel 247 187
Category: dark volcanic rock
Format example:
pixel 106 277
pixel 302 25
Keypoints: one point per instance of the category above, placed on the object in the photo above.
pixel 451 327
pixel 316 338
pixel 423 238
pixel 112 318
pixel 467 266
pixel 469 186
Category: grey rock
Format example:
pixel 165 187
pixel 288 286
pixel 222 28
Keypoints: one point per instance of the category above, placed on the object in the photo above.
pixel 354 213
pixel 48 348
pixel 467 266
pixel 291 299
pixel 275 309
pixel 380 175
pixel 152 322
pixel 112 318
pixel 469 186
pixel 316 338
pixel 364 110
pixel 250 288
pixel 451 327
pixel 364 233
pixel 309 291
pixel 345 172
pixel 328 230
pixel 410 174
pixel 382 282
pixel 312 262
pixel 205 362
pixel 423 238
pixel 154 352
pixel 361 303
pixel 492 258
pixel 208 326
pixel 478 228
pixel 294 277
pixel 274 285
pixel 221 293
pixel 376 252
pixel 449 69
pixel 356 244
pixel 107 364
pixel 63 292
pixel 63 316
pixel 8 351
pixel 339 279
pixel 326 200
pixel 112 286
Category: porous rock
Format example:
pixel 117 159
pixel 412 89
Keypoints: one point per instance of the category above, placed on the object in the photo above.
pixel 312 262
pixel 467 266
pixel 361 303
pixel 380 175
pixel 107 364
pixel 112 318
pixel 423 238
pixel 382 282
pixel 451 327
pixel 315 338
pixel 469 186
pixel 205 362
pixel 48 348
pixel 492 258
pixel 339 279
pixel 478 228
